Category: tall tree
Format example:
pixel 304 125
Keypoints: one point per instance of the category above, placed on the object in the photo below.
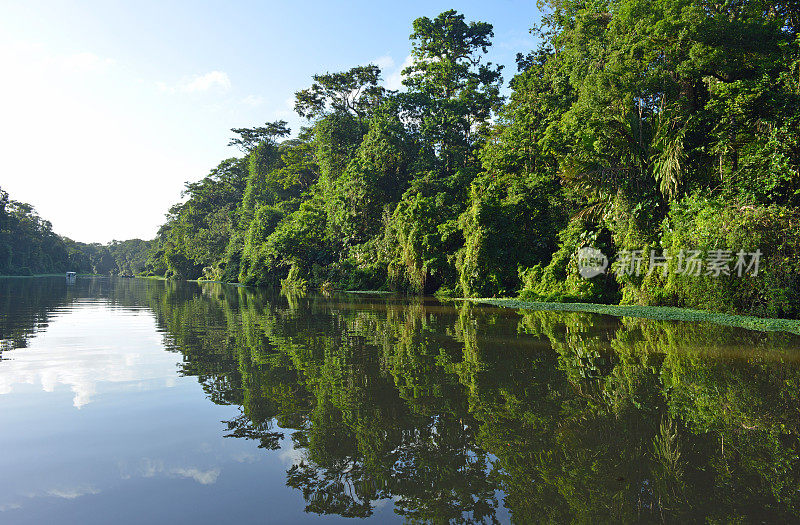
pixel 355 92
pixel 451 93
pixel 269 133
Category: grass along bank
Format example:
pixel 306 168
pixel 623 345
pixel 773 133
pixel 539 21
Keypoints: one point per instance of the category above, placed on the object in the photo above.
pixel 660 313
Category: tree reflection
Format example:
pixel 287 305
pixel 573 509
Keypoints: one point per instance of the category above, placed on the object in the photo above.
pixel 242 427
pixel 453 412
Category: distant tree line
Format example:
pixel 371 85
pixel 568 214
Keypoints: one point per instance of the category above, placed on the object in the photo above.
pixel 28 246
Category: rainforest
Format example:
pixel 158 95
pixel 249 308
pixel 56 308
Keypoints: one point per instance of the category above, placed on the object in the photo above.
pixel 634 125
pixel 551 279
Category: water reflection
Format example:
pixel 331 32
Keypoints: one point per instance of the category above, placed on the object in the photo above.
pixel 451 413
pixel 82 349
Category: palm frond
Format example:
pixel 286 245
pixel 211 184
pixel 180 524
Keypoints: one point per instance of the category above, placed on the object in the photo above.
pixel 668 160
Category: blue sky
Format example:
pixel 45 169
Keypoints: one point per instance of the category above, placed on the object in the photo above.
pixel 109 107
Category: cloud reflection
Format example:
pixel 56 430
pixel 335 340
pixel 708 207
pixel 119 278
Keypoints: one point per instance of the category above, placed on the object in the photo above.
pixel 150 468
pixel 82 349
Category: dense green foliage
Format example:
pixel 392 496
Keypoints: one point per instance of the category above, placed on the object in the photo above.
pixel 635 125
pixel 29 246
pixel 130 257
pixel 27 242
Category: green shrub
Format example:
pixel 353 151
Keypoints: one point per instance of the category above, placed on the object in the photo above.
pixel 560 281
pixel 511 222
pixel 697 223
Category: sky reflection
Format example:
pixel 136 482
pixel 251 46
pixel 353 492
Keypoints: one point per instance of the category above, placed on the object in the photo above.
pixel 82 349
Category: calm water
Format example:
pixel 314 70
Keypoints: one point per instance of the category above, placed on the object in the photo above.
pixel 133 401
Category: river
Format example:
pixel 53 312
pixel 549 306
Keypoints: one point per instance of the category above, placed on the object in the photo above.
pixel 130 401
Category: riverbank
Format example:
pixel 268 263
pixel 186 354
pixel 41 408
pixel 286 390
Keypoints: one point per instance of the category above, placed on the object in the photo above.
pixel 660 313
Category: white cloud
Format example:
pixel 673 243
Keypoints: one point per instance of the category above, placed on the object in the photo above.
pixel 384 62
pixel 72 493
pixel 150 468
pixel 204 477
pixel 208 81
pixel 213 80
pixel 394 79
pixel 253 100
pixel 391 72
pixel 61 492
